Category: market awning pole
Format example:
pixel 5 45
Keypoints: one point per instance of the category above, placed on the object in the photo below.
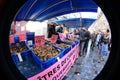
pixel 80 20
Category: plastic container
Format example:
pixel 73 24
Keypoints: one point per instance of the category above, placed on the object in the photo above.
pixel 30 38
pixel 15 58
pixel 47 63
pixel 20 43
pixel 16 39
pixel 72 45
pixel 64 52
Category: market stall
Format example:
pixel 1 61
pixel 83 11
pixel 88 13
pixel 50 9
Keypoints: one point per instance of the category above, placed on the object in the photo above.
pixel 47 55
pixel 36 56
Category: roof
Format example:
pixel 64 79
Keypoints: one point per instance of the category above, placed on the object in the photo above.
pixel 40 10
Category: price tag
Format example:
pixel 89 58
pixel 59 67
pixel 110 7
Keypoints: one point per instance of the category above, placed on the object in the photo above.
pixel 54 38
pixel 11 39
pixel 39 40
pixel 30 42
pixel 20 57
pixel 62 36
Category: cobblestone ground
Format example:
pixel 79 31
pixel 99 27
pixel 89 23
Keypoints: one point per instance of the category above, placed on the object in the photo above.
pixel 86 68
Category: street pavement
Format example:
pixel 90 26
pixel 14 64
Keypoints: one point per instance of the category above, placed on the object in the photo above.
pixel 86 68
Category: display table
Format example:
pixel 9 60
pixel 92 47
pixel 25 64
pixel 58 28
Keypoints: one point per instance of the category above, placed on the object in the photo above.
pixel 60 68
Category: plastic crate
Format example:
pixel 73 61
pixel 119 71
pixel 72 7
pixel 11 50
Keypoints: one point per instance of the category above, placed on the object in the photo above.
pixel 20 43
pixel 45 64
pixel 26 55
pixel 64 52
pixel 49 62
pixel 59 42
pixel 29 55
pixel 30 38
pixel 16 39
pixel 15 58
pixel 72 45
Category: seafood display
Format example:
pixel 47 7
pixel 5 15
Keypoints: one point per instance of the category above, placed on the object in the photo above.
pixel 45 52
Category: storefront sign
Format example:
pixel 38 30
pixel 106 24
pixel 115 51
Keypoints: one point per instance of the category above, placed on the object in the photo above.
pixel 62 36
pixel 54 38
pixel 39 40
pixel 59 69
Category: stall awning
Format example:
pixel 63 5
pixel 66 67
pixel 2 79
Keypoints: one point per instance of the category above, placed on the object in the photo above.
pixel 40 10
pixel 75 22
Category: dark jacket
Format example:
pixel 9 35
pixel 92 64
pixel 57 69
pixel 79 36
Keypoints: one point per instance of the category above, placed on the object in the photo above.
pixel 52 31
pixel 87 35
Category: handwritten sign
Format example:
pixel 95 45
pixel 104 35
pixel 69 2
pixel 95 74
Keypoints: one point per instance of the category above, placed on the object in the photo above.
pixel 30 42
pixel 62 36
pixel 54 38
pixel 59 69
pixel 39 40
pixel 11 39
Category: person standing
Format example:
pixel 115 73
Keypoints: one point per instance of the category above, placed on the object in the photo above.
pixel 81 33
pixel 52 30
pixel 93 38
pixel 87 38
pixel 98 39
pixel 60 29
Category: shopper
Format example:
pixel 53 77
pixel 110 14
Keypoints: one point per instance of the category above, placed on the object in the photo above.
pixel 93 38
pixel 87 38
pixel 104 45
pixel 98 39
pixel 81 33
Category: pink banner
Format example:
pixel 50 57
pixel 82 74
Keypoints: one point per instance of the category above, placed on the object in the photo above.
pixel 39 40
pixel 62 36
pixel 59 69
pixel 22 37
pixel 54 38
pixel 11 39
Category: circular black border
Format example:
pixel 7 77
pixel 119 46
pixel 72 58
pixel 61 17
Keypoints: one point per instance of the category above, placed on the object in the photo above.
pixel 10 8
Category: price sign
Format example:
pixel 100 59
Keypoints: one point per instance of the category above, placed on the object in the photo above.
pixel 30 42
pixel 39 40
pixel 11 39
pixel 54 38
pixel 62 36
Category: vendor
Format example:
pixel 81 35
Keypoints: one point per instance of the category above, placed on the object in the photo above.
pixel 66 31
pixel 52 29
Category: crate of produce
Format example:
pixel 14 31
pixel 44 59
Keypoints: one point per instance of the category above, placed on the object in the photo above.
pixel 70 41
pixel 46 54
pixel 16 48
pixel 65 47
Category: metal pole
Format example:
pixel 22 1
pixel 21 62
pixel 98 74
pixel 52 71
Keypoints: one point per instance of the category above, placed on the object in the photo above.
pixel 80 20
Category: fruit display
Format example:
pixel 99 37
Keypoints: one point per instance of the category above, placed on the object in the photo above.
pixel 62 45
pixel 18 48
pixel 45 52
